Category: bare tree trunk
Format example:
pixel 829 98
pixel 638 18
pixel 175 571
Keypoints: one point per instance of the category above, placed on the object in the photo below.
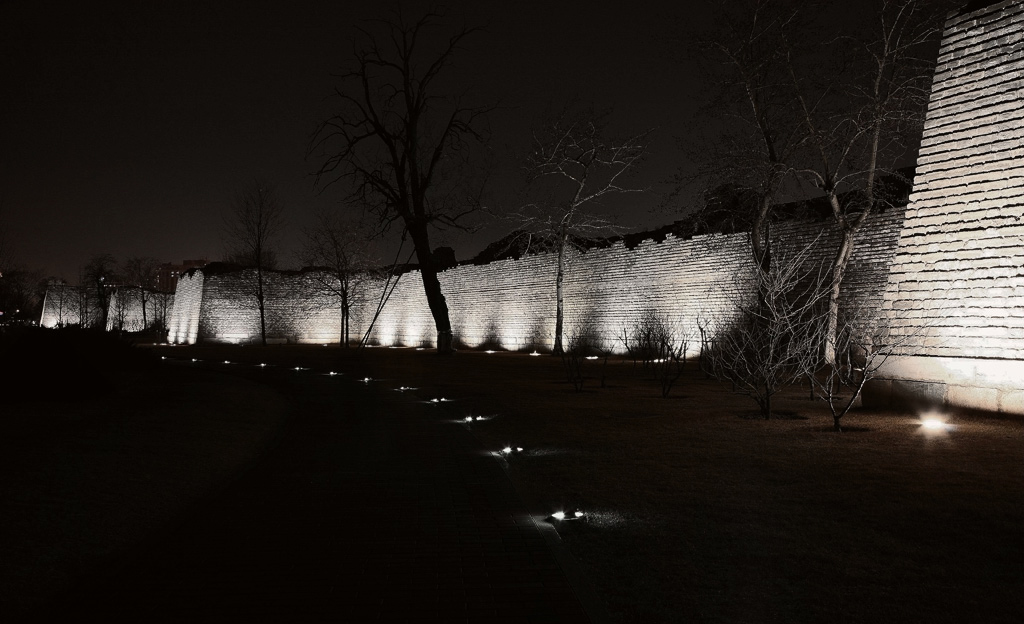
pixel 842 259
pixel 259 299
pixel 559 305
pixel 142 298
pixel 432 289
pixel 344 318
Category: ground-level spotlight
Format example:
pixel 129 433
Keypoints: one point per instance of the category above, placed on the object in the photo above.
pixel 590 357
pixel 535 353
pixel 489 351
pixel 934 424
pixel 562 516
pixel 419 348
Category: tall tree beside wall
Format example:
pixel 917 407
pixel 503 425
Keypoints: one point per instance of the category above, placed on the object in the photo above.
pixel 339 248
pixel 99 276
pixel 252 224
pixel 140 274
pixel 864 119
pixel 820 106
pixel 402 144
pixel 572 167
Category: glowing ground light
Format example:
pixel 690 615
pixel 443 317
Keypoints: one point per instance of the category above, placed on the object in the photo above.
pixel 469 419
pixel 590 357
pixel 508 450
pixel 366 380
pixel 934 424
pixel 332 373
pixel 561 515
pixel 535 353
pixel 227 362
pixel 263 365
pixel 194 360
pixel 163 357
pixel 488 351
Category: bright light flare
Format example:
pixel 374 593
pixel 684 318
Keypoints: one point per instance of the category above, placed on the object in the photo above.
pixel 590 357
pixel 558 515
pixel 535 353
pixel 488 351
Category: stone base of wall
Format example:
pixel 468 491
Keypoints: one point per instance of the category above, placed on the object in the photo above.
pixel 921 382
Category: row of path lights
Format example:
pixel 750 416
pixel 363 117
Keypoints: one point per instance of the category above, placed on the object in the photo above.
pixel 506 452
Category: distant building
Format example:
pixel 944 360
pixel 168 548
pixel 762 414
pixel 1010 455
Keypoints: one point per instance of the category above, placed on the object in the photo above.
pixel 168 274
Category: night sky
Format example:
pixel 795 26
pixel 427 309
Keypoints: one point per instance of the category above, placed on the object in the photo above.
pixel 128 131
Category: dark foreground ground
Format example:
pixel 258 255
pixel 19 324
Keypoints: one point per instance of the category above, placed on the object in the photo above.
pixel 363 505
pixel 364 499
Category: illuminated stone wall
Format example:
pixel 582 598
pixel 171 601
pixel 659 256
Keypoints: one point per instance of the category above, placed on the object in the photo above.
pixel 61 306
pixel 219 305
pixel 125 312
pixel 956 288
pixel 510 304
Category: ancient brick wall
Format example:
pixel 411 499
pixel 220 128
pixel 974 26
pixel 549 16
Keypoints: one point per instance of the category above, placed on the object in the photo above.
pixel 956 288
pixel 183 326
pixel 510 304
pixel 126 312
pixel 61 306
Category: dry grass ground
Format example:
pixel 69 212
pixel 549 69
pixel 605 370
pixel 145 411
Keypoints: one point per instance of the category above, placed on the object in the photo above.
pixel 698 512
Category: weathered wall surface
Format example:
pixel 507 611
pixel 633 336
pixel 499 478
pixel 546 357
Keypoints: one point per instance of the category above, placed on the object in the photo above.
pixel 956 288
pixel 126 311
pixel 62 305
pixel 510 304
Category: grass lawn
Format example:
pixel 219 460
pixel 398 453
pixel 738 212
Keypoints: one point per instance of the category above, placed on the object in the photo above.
pixel 698 511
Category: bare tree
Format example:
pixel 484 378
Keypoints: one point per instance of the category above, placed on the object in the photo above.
pixel 861 120
pixel 772 341
pixel 401 146
pixel 573 165
pixel 99 276
pixel 339 248
pixel 251 227
pixel 743 166
pixel 140 273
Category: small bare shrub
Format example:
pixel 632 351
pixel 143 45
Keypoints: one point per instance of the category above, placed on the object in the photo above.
pixel 775 335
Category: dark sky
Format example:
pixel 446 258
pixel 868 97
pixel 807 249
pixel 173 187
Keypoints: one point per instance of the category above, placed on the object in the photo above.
pixel 128 131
